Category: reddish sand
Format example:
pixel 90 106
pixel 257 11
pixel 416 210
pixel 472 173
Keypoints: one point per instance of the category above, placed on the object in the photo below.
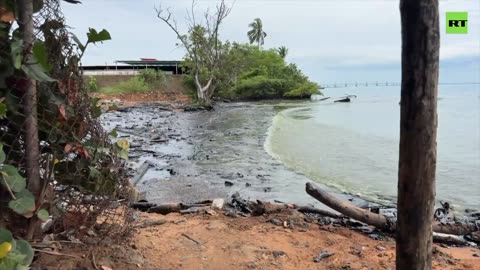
pixel 220 242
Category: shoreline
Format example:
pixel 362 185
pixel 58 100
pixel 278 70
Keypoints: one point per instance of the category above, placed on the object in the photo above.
pixel 216 239
pixel 197 156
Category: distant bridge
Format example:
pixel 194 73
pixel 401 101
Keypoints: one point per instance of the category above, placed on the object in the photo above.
pixel 370 84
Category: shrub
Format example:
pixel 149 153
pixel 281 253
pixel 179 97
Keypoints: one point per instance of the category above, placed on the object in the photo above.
pixel 189 84
pixel 260 87
pixel 134 85
pixel 92 85
pixel 304 90
pixel 154 78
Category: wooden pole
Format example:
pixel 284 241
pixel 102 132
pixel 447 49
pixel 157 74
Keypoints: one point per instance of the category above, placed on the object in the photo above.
pixel 418 133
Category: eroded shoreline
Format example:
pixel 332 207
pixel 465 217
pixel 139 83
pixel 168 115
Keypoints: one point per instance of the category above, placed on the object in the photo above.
pixel 196 156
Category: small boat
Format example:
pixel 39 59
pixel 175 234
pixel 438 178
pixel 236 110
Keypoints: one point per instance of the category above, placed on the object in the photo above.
pixel 347 98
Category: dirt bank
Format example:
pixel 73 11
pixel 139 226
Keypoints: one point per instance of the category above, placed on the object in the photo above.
pixel 173 93
pixel 219 242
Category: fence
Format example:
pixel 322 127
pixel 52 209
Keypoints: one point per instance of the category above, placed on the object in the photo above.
pixel 50 133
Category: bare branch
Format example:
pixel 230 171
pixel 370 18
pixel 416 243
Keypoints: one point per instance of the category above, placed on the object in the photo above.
pixel 201 42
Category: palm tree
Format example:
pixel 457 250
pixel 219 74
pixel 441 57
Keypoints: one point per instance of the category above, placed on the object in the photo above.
pixel 256 33
pixel 282 51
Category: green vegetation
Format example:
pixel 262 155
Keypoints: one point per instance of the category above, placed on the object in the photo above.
pixel 147 80
pixel 135 85
pixel 92 85
pixel 154 78
pixel 282 51
pixel 14 253
pixel 249 73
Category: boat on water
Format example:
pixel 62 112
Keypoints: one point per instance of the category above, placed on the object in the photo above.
pixel 347 98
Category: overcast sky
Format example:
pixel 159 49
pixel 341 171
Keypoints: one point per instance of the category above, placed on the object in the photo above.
pixel 331 41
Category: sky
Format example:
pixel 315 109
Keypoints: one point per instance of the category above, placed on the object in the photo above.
pixel 331 41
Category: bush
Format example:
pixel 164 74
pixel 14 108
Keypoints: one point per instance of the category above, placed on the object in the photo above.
pixel 250 73
pixel 260 87
pixel 92 85
pixel 134 85
pixel 189 84
pixel 304 90
pixel 154 78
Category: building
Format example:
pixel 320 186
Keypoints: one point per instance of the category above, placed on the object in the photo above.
pixel 133 67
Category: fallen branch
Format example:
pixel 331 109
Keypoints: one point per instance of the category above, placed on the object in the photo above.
pixel 377 220
pixel 190 238
pixel 349 209
pixel 56 253
pixel 142 206
pixel 151 223
pixel 450 239
pixel 94 262
pixel 313 210
pixel 166 208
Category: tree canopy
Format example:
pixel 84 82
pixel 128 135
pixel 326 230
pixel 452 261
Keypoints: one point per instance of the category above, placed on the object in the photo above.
pixel 247 72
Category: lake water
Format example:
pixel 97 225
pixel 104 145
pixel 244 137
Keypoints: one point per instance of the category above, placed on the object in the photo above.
pixel 353 147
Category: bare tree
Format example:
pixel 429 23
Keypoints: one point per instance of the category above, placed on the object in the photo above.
pixel 418 133
pixel 202 44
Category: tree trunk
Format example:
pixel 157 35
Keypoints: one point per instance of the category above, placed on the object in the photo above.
pixel 418 132
pixel 202 91
pixel 32 152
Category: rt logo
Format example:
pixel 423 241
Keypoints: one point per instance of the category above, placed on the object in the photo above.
pixel 457 22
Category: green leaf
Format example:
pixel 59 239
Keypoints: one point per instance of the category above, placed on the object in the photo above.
pixel 17 62
pixel 40 54
pixel 22 267
pixel 3 110
pixel 2 154
pixel 94 36
pixel 36 72
pixel 8 263
pixel 113 133
pixel 24 204
pixel 24 248
pixel 43 215
pixel 79 43
pixel 123 154
pixel 14 180
pixel 16 51
pixel 5 236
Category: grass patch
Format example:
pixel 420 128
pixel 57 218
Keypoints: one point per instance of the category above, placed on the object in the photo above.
pixel 147 80
pixel 134 85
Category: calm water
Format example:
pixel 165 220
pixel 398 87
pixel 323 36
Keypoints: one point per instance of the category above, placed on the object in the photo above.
pixel 354 146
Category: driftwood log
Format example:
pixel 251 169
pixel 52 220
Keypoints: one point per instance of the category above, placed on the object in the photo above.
pixel 450 239
pixel 377 220
pixel 313 210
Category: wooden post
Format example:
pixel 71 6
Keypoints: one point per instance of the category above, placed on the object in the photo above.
pixel 418 133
